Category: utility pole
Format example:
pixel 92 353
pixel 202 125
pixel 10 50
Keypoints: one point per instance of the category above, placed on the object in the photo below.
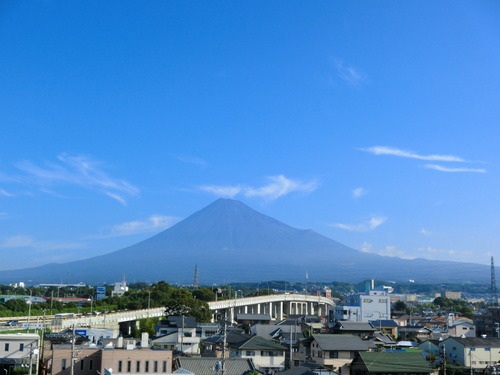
pixel 72 368
pixel 223 363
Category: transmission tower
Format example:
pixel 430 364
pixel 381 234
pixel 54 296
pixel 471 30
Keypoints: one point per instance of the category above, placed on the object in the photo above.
pixel 494 297
pixel 195 282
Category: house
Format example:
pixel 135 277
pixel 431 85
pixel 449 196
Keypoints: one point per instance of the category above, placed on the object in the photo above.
pixel 183 333
pixel 17 351
pixel 266 355
pixel 473 352
pixel 126 357
pixel 390 363
pixel 213 346
pixel 361 329
pixel 462 328
pixel 430 346
pixel 383 340
pixel 419 333
pixel 334 352
pixel 386 325
pixel 212 366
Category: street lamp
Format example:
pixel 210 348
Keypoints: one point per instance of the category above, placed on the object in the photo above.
pixel 90 318
pixel 29 311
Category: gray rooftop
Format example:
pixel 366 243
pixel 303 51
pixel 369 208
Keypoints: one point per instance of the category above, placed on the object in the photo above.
pixel 477 342
pixel 354 326
pixel 342 342
pixel 206 366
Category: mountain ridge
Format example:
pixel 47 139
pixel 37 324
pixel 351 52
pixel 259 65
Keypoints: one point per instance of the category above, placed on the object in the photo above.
pixel 230 241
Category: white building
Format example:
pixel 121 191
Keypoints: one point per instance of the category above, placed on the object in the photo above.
pixel 373 305
pixel 19 350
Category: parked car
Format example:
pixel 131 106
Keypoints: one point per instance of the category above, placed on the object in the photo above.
pixel 12 323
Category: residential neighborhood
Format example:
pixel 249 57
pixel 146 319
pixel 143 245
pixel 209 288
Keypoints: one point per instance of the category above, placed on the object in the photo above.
pixel 268 333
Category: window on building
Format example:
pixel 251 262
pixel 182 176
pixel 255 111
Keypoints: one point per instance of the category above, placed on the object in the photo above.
pixel 7 347
pixel 81 364
pixel 120 366
pixel 250 353
pixel 352 355
pixel 21 347
pixel 155 367
pixel 164 367
pixel 320 354
pixel 63 364
pixel 129 366
pixel 138 366
pixel 146 365
pixel 334 354
pixel 91 365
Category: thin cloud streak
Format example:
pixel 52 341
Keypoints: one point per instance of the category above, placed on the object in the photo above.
pixel 358 192
pixel 388 251
pixel 348 73
pixel 373 223
pixel 76 170
pixel 383 150
pixel 152 224
pixel 454 170
pixel 4 193
pixel 278 187
pixel 23 241
pixel 222 191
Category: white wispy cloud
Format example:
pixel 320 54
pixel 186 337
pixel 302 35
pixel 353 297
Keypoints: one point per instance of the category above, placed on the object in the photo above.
pixel 24 241
pixel 454 170
pixel 358 192
pixel 222 191
pixel 349 73
pixel 389 251
pixel 277 187
pixel 4 193
pixel 152 224
pixel 383 150
pixel 81 171
pixel 425 232
pixel 371 224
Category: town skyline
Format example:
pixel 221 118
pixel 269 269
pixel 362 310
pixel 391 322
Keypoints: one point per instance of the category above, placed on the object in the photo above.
pixel 372 124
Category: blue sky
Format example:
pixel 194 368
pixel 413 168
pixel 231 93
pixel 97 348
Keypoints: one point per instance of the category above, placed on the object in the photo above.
pixel 373 123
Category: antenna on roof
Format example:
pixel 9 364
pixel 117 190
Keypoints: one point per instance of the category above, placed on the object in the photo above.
pixel 494 297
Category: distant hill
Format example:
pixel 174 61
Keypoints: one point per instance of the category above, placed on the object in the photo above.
pixel 231 242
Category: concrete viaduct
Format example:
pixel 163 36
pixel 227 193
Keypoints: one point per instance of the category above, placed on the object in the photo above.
pixel 275 305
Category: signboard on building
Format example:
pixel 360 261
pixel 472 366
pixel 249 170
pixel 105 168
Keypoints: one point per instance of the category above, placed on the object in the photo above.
pixel 100 292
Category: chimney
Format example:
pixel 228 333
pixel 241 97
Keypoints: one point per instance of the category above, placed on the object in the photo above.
pixel 144 340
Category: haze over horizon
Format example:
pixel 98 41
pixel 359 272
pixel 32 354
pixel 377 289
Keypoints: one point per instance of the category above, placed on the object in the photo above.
pixel 374 124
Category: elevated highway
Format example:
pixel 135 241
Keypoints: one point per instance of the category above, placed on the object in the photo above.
pixel 277 306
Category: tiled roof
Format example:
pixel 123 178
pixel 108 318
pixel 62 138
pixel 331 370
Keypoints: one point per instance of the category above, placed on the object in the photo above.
pixel 342 342
pixel 395 362
pixel 478 342
pixel 258 343
pixel 206 366
pixel 354 326
pixel 384 323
